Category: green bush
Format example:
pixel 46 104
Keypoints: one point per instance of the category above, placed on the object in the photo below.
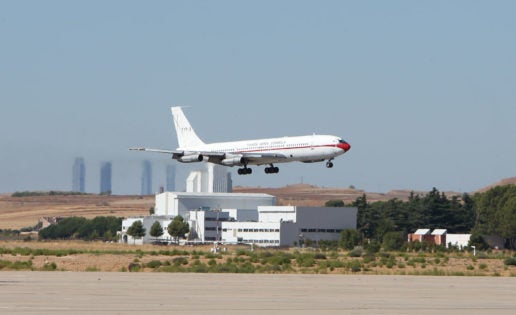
pixel 305 260
pixel 154 264
pixel 511 261
pixel 180 261
pixel 356 252
pixel 355 266
pixel 133 267
pixel 393 241
pixel 49 267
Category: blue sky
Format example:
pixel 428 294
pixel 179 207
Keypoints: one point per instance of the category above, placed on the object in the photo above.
pixel 424 91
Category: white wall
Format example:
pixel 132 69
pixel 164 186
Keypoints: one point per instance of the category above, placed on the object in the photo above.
pixel 460 240
pixel 177 203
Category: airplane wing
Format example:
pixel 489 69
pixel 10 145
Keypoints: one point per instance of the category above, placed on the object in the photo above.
pixel 218 157
pixel 263 158
pixel 186 156
pixel 155 150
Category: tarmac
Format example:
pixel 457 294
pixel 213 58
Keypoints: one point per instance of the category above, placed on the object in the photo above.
pixel 179 293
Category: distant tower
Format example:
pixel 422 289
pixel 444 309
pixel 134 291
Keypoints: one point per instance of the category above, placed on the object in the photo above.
pixel 78 175
pixel 219 179
pixel 105 178
pixel 171 178
pixel 147 178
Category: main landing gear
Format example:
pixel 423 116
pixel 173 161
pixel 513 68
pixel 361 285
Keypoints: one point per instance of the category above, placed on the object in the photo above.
pixel 271 170
pixel 329 164
pixel 245 171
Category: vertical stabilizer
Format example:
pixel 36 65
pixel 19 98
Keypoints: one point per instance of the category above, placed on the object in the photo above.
pixel 186 136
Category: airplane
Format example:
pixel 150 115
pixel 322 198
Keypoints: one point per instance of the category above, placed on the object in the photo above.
pixel 307 149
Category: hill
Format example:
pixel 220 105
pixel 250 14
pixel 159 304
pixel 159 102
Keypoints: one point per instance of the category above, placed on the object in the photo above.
pixel 20 212
pixel 506 181
pixel 314 196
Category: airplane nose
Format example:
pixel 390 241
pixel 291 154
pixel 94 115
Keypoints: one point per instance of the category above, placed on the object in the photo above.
pixel 344 146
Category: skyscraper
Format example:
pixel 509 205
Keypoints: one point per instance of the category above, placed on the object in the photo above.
pixel 146 178
pixel 105 178
pixel 171 177
pixel 78 175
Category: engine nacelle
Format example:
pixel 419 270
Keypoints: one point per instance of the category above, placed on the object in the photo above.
pixel 233 161
pixel 191 158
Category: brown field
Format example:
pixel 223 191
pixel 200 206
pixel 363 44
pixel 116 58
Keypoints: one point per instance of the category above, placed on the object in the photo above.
pixel 20 212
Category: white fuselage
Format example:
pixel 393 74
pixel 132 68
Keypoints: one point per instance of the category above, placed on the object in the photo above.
pixel 313 148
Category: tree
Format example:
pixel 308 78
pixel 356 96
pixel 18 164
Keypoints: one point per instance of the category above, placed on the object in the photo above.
pixel 334 203
pixel 178 228
pixel 349 238
pixel 496 213
pixel 393 241
pixel 156 230
pixel 136 230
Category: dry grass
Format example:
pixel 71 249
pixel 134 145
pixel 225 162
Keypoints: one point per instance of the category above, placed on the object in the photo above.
pixel 96 256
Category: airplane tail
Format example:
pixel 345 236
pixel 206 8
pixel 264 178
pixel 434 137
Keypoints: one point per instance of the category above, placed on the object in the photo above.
pixel 186 136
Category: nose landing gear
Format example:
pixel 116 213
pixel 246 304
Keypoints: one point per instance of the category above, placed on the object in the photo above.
pixel 329 164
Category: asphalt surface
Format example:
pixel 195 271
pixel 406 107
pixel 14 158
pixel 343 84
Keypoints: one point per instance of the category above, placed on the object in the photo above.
pixel 174 293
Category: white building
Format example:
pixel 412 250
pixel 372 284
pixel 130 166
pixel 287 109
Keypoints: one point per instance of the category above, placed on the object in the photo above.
pixel 287 225
pixel 180 203
pixel 459 240
pixel 215 178
pixel 243 218
pixel 147 222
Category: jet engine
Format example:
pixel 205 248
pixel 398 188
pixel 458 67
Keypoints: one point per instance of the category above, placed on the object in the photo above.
pixel 191 158
pixel 233 161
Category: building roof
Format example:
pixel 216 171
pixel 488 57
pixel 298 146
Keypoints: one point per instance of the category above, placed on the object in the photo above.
pixel 422 231
pixel 217 195
pixel 439 232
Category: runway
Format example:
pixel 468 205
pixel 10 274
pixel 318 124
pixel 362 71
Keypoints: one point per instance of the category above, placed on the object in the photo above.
pixel 175 293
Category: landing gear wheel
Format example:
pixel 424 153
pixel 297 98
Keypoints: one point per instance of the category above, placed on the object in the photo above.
pixel 271 170
pixel 245 171
pixel 329 164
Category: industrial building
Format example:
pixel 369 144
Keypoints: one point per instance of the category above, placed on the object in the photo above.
pixel 180 203
pixel 215 178
pixel 439 237
pixel 244 218
pixel 289 225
